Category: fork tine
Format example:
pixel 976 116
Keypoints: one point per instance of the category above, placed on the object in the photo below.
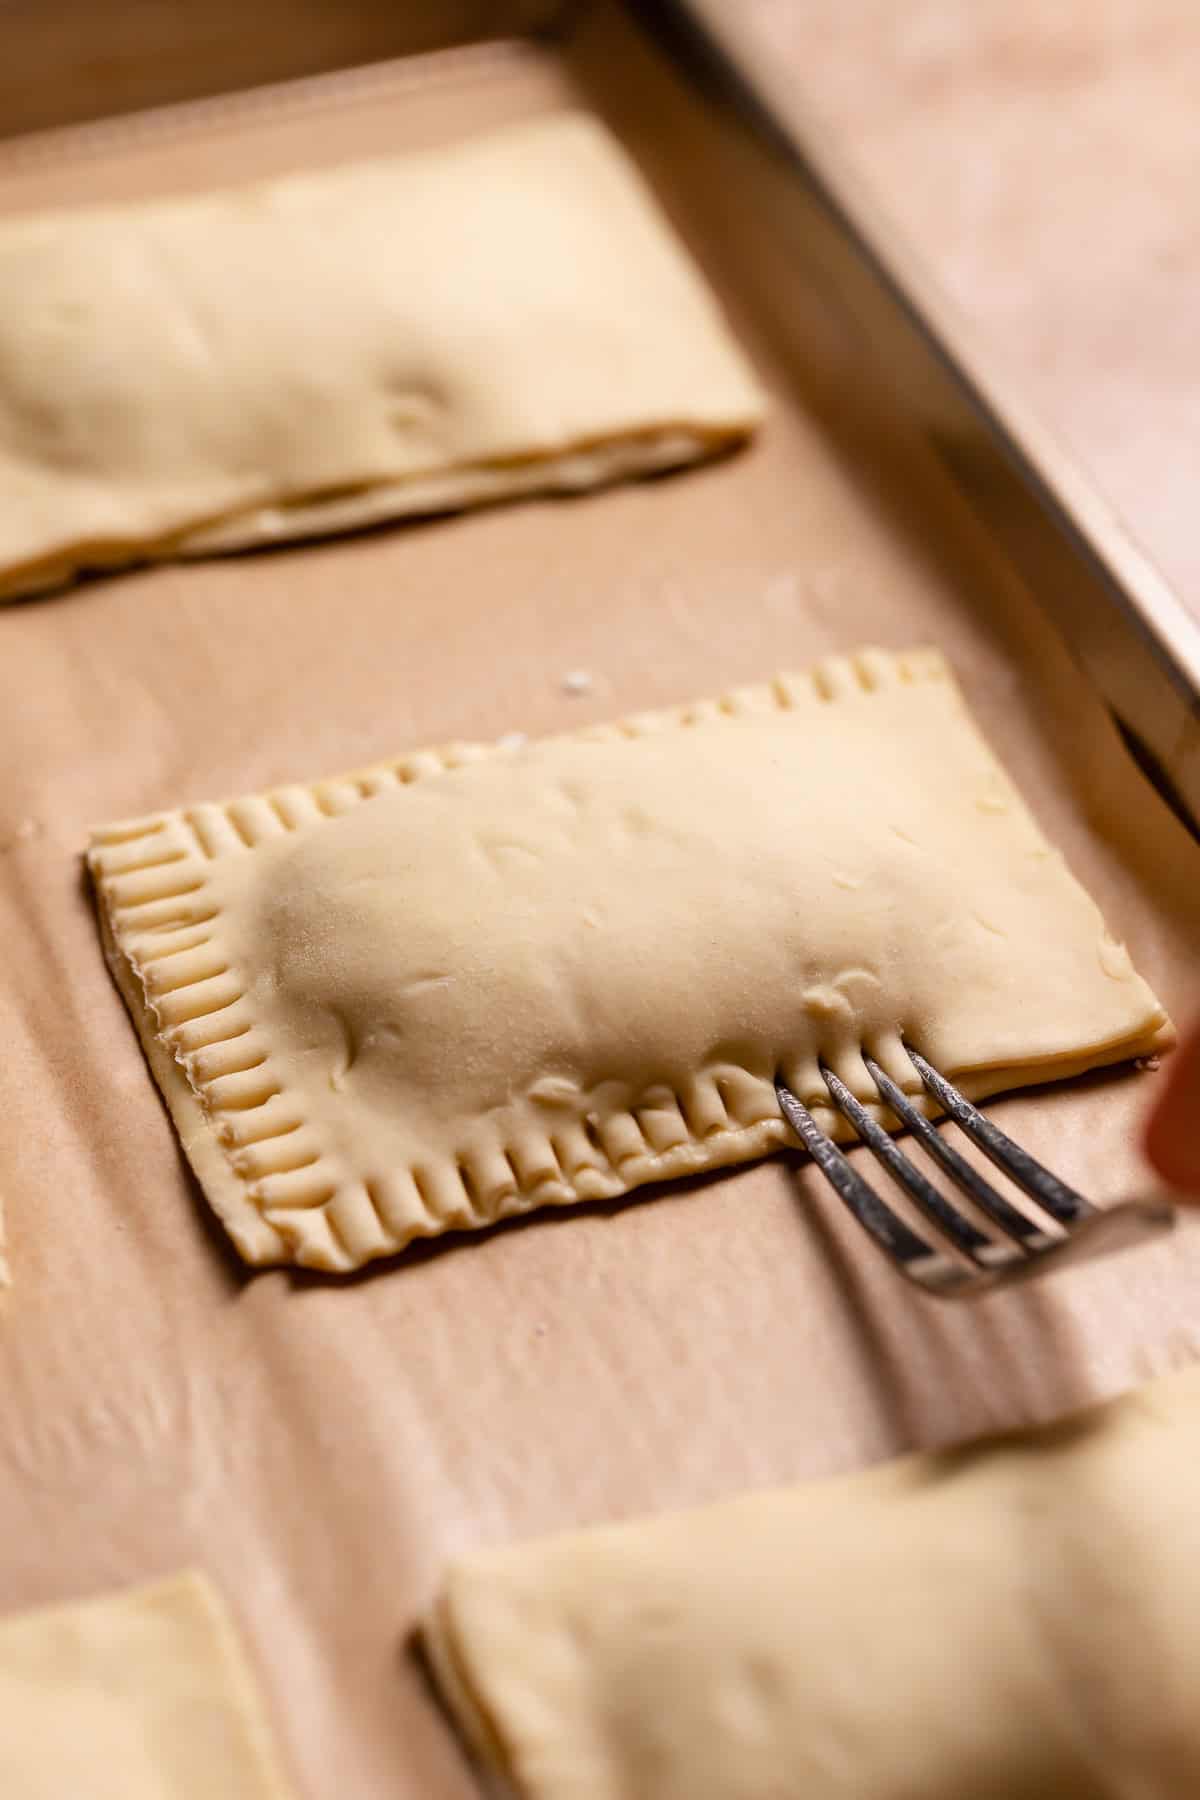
pixel 957 1227
pixel 1052 1195
pixel 930 1268
pixel 1087 1232
pixel 1025 1231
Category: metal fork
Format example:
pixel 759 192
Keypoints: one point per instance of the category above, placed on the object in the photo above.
pixel 1072 1228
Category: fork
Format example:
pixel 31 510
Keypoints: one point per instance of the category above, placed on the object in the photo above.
pixel 1071 1230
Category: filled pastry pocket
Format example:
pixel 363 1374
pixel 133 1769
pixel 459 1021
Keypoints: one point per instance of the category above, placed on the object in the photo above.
pixel 410 335
pixel 941 1626
pixel 474 981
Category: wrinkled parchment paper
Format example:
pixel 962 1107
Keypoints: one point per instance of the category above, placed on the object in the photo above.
pixel 322 1446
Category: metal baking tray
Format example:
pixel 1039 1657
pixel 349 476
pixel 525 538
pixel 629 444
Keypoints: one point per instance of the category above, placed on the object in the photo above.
pixel 1132 634
pixel 322 1448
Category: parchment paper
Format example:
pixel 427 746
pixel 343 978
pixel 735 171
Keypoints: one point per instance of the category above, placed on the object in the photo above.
pixel 321 1446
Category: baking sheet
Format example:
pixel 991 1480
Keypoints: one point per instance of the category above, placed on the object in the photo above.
pixel 321 1446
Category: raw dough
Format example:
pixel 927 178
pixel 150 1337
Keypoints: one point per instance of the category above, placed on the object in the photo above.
pixel 1012 1621
pixel 314 354
pixel 468 983
pixel 140 1695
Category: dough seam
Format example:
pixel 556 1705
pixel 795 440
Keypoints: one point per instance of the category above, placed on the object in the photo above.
pixel 439 491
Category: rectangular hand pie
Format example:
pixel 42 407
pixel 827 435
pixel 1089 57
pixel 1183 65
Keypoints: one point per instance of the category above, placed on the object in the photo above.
pixel 1015 1618
pixel 138 1695
pixel 329 350
pixel 478 980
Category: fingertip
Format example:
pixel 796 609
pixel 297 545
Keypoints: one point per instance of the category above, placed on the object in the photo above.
pixel 1172 1139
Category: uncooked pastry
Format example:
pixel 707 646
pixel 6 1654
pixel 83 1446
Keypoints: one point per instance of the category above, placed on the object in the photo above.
pixel 1012 1621
pixel 470 982
pixel 139 1695
pixel 309 355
